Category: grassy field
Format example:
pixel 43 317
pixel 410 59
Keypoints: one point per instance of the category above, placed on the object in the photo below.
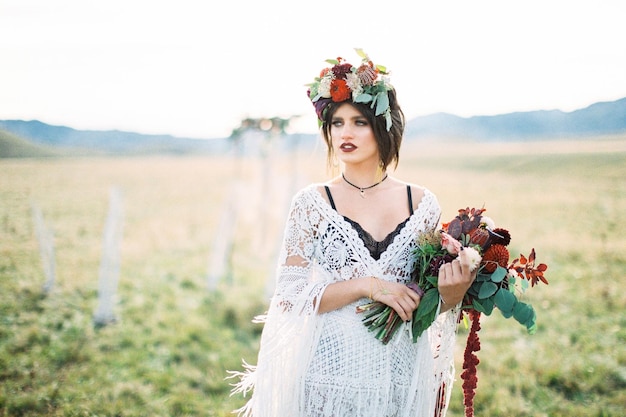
pixel 169 352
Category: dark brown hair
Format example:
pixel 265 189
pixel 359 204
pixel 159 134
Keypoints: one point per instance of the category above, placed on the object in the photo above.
pixel 388 141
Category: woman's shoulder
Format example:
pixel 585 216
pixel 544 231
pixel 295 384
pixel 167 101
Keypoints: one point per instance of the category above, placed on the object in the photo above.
pixel 308 193
pixel 310 189
pixel 421 194
pixel 417 190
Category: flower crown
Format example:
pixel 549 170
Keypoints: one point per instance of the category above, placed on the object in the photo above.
pixel 343 81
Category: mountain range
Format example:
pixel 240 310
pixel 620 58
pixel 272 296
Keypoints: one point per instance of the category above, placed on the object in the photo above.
pixel 603 118
pixel 22 138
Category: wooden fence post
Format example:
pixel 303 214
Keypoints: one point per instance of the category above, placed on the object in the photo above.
pixel 221 255
pixel 110 262
pixel 45 236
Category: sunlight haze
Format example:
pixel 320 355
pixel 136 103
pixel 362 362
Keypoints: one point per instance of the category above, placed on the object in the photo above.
pixel 195 69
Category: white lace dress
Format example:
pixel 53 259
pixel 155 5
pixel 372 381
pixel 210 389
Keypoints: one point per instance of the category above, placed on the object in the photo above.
pixel 330 365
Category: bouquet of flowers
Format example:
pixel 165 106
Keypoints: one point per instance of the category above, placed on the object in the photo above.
pixel 497 283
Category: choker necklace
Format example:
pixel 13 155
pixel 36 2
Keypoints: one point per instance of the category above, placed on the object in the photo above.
pixel 362 189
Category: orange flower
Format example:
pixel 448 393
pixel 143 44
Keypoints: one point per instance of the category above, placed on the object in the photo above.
pixel 494 256
pixel 339 90
pixel 526 267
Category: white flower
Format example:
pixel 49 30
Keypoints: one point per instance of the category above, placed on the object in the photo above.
pixel 324 88
pixel 488 222
pixel 470 257
pixel 354 84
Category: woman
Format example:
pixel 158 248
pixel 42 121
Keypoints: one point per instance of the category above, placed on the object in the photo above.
pixel 347 242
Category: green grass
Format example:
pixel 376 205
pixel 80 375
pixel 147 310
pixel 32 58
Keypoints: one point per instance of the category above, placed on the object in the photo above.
pixel 12 146
pixel 169 352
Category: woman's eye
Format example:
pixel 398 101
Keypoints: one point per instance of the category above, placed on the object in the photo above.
pixel 361 123
pixel 337 122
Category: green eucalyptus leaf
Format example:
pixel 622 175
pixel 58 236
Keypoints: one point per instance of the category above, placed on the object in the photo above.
pixel 522 312
pixel 483 277
pixel 363 98
pixel 477 305
pixel 512 286
pixel 505 301
pixel 487 290
pixel 484 306
pixel 488 306
pixel 314 91
pixel 382 103
pixel 524 285
pixel 373 103
pixel 474 289
pixel 531 325
pixel 499 274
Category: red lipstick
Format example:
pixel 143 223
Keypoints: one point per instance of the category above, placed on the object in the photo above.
pixel 347 147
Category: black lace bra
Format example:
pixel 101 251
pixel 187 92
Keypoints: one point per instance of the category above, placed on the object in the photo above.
pixel 375 247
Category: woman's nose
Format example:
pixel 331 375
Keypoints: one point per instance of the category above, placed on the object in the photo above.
pixel 346 131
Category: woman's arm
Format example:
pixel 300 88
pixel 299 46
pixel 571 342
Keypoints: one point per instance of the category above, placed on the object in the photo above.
pixel 396 295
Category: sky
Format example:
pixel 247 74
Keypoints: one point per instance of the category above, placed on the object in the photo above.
pixel 197 68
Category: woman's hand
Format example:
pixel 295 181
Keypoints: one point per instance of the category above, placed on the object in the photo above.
pixel 455 279
pixel 396 295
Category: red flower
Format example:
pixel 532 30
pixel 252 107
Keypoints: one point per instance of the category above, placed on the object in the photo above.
pixel 494 256
pixel 525 268
pixel 501 237
pixel 470 360
pixel 339 90
pixel 340 70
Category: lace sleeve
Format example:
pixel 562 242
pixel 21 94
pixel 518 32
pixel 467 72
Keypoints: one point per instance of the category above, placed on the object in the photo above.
pixel 298 282
pixel 291 326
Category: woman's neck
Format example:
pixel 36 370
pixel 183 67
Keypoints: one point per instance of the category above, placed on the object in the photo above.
pixel 363 177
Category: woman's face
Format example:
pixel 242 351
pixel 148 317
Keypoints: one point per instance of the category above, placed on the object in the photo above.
pixel 352 136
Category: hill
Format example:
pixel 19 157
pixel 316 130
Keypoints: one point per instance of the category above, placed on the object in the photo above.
pixel 113 142
pixel 604 118
pixel 12 146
